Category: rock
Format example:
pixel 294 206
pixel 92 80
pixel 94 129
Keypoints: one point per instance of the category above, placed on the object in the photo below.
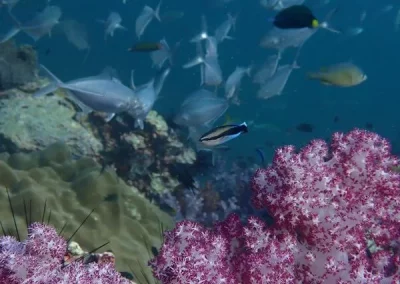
pixel 30 124
pixel 17 65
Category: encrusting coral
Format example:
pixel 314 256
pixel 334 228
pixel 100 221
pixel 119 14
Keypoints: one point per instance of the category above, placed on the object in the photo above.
pixel 71 189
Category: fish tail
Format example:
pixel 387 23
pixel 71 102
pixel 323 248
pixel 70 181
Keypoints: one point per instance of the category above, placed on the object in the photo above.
pixel 203 35
pixel 53 86
pixel 262 158
pixel 10 34
pixel 196 61
pixel 243 127
pixel 325 24
pixel 157 11
pixel 133 86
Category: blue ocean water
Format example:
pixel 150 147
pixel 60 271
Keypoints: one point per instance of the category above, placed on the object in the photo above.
pixel 376 51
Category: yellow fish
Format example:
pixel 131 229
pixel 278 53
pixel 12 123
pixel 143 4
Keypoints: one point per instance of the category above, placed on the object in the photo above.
pixel 341 75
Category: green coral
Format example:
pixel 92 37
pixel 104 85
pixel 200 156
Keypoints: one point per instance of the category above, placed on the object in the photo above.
pixel 71 189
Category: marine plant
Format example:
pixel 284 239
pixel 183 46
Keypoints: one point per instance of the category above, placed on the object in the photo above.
pixel 336 220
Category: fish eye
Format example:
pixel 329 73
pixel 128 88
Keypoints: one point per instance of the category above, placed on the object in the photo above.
pixel 203 35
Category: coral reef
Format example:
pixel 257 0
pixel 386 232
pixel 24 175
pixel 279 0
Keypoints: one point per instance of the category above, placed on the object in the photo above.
pixel 223 189
pixel 71 188
pixel 144 157
pixel 140 157
pixel 336 213
pixel 17 65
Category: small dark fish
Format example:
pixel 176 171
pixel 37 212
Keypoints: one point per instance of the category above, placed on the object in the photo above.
pixel 154 251
pixel 295 17
pixel 146 47
pixel 262 157
pixel 305 127
pixel 336 119
pixel 369 126
pixel 222 134
pixel 127 275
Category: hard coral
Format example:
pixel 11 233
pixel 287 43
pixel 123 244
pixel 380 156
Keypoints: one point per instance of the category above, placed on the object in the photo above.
pixel 39 260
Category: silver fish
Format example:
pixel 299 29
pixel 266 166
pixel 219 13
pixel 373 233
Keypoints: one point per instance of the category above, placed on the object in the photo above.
pixel 223 30
pixel 275 85
pixel 211 73
pixel 281 39
pixel 201 108
pixel 103 93
pixel 145 18
pixel 268 69
pixel 147 95
pixel 113 23
pixel 39 26
pixel 232 84
pixel 222 134
pixel 278 5
pixel 76 34
pixel 159 57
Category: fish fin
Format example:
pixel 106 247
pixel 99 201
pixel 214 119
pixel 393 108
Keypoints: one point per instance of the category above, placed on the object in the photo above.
pixel 159 82
pixel 121 27
pixel 53 86
pixel 203 34
pixel 50 88
pixel 10 34
pixel 198 60
pixel 15 30
pixel 109 117
pixel 109 73
pixel 85 110
pixel 157 11
pixel 86 55
pixel 325 24
pixel 230 37
pixel 133 86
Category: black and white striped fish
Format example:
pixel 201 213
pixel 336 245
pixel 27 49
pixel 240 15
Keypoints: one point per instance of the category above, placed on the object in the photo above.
pixel 222 134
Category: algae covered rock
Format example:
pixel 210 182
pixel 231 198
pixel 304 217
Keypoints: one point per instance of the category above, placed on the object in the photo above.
pixel 71 189
pixel 30 124
pixel 17 65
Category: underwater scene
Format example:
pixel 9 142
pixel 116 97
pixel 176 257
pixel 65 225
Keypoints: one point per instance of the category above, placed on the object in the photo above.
pixel 199 141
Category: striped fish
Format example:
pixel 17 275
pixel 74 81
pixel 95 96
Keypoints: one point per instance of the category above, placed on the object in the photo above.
pixel 222 134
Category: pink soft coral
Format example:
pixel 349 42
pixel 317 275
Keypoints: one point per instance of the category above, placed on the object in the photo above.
pixel 337 220
pixel 38 260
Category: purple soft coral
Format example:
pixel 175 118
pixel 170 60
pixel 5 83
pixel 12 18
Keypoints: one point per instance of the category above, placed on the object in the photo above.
pixel 38 260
